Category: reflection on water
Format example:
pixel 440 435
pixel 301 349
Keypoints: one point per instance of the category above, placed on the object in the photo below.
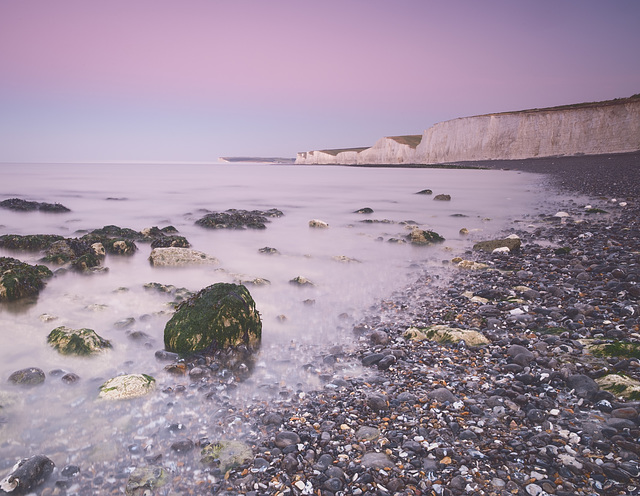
pixel 298 322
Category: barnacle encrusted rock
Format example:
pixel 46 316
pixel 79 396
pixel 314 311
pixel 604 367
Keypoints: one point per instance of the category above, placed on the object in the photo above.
pixel 19 279
pixel 217 317
pixel 445 334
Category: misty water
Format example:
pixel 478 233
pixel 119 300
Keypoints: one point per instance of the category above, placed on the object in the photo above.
pixel 70 425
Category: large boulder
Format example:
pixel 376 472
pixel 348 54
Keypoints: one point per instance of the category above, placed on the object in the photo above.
pixel 217 317
pixel 77 341
pixel 19 279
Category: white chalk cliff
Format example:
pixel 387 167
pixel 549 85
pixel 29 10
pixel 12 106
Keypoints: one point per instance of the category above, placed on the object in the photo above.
pixel 584 129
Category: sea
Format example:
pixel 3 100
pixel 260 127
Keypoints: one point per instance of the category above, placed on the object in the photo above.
pixel 354 264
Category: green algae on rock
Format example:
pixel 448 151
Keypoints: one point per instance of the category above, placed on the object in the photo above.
pixel 77 341
pixel 19 279
pixel 217 317
pixel 424 238
pixel 144 480
pixel 445 334
pixel 229 454
pixel 28 242
pixel 125 387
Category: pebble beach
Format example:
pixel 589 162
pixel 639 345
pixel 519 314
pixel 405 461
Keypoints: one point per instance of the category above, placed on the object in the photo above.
pixel 485 377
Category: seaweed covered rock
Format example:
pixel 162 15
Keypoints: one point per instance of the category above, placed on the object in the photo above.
pixel 19 279
pixel 112 231
pixel 128 386
pixel 226 454
pixel 26 475
pixel 143 480
pixel 29 242
pixel 217 317
pixel 424 238
pixel 77 341
pixel 171 241
pixel 31 206
pixel 238 219
pixel 113 246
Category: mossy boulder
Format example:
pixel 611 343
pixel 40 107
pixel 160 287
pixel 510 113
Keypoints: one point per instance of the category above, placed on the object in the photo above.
pixel 226 454
pixel 125 387
pixel 424 238
pixel 20 280
pixel 170 241
pixel 77 341
pixel 217 317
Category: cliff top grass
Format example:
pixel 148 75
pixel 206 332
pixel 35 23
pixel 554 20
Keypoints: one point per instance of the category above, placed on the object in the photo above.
pixel 412 140
pixel 615 101
pixel 335 151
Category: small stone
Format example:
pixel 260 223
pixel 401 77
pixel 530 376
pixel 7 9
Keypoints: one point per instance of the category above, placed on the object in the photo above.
pixel 31 376
pixel 286 438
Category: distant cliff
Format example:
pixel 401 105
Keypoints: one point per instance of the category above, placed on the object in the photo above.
pixel 582 129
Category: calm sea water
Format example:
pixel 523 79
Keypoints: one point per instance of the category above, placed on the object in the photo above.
pixel 67 423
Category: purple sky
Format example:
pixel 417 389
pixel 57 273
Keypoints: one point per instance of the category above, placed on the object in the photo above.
pixel 192 80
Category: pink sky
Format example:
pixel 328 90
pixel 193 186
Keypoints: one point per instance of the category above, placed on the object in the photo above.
pixel 193 80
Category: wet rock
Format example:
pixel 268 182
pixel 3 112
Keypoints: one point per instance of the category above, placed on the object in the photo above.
pixel 178 257
pixel 364 210
pixel 512 244
pixel 27 474
pixel 219 316
pixel 366 433
pixel 424 238
pixel 442 197
pixel 301 281
pixel 126 387
pixel 29 242
pixel 425 192
pixel 286 438
pixel 145 480
pixel 21 205
pixel 20 280
pixel 238 219
pixel 377 402
pixel 31 376
pixel 445 334
pixel 182 445
pixel 77 341
pixel 269 250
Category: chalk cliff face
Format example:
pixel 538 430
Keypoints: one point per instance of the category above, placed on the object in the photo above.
pixel 589 129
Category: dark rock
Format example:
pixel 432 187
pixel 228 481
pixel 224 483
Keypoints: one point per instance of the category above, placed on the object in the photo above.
pixel 219 316
pixel 442 197
pixel 170 242
pixel 183 445
pixel 424 238
pixel 377 402
pixel 584 386
pixel 442 395
pixel 424 192
pixel 364 210
pixel 286 438
pixel 30 206
pixel 30 242
pixel 31 376
pixel 238 219
pixel 27 474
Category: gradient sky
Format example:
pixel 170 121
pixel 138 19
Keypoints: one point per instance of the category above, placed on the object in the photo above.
pixel 193 80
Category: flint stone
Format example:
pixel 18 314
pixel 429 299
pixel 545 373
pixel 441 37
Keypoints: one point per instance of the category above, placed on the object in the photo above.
pixel 176 256
pixel 20 280
pixel 584 386
pixel 442 395
pixel 219 316
pixel 27 474
pixel 488 246
pixel 286 438
pixel 375 460
pixel 31 376
pixel 377 402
